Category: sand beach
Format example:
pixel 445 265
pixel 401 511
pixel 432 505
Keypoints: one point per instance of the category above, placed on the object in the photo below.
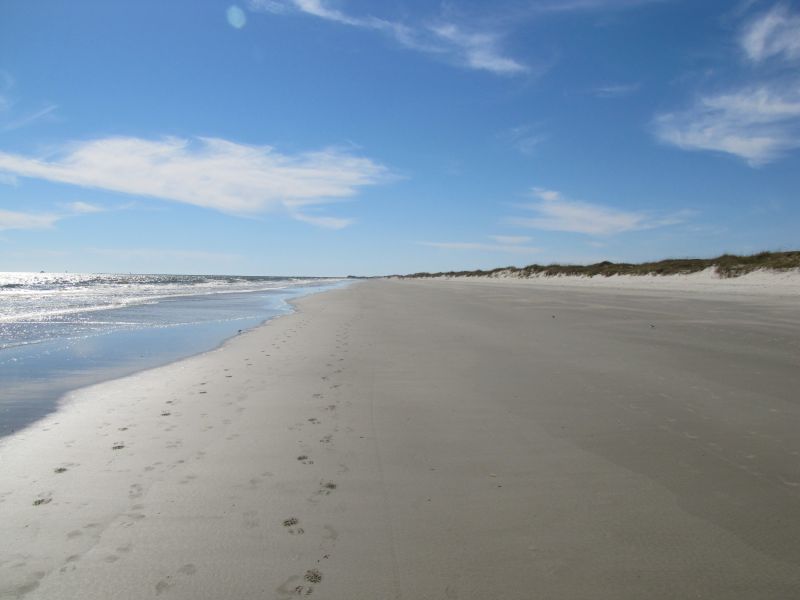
pixel 426 440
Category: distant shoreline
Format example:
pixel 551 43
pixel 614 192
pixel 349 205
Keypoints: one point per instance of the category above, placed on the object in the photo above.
pixel 725 266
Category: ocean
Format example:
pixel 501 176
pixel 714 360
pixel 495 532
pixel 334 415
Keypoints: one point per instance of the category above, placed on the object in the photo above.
pixel 62 331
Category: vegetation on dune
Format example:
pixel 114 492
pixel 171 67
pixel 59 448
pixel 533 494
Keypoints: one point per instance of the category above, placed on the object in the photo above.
pixel 727 265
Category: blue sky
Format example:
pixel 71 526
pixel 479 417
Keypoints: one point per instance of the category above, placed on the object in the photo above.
pixel 330 137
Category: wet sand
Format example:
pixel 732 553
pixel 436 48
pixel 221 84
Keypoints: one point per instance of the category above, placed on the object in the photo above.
pixel 407 439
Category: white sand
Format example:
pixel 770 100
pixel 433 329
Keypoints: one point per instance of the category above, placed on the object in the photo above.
pixel 460 440
pixel 758 283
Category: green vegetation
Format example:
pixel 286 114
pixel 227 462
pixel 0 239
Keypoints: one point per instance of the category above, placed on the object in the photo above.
pixel 727 265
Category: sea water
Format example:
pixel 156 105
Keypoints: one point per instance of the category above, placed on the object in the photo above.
pixel 62 331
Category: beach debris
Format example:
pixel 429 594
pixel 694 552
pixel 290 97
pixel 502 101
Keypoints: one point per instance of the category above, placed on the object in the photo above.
pixel 118 446
pixel 60 470
pixel 290 522
pixel 40 501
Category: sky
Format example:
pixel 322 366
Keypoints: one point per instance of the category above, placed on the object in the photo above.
pixel 336 137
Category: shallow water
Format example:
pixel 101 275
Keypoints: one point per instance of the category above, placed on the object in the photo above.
pixel 65 336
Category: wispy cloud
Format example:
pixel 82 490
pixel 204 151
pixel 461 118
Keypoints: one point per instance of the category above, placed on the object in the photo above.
pixel 7 179
pixel 477 50
pixel 758 121
pixel 464 46
pixel 510 239
pixel 758 124
pixel 525 138
pixel 586 5
pixel 29 118
pixel 23 220
pixel 84 208
pixel 323 221
pixel 554 212
pixel 45 220
pixel 212 173
pixel 771 34
pixel 503 244
pixel 615 90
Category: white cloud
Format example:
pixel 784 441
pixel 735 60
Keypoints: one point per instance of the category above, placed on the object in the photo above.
pixel 21 220
pixel 758 123
pixel 208 172
pixel 84 208
pixel 556 213
pixel 505 245
pixel 322 221
pixel 774 33
pixel 478 50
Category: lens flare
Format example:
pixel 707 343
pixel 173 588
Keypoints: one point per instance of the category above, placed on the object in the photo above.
pixel 236 17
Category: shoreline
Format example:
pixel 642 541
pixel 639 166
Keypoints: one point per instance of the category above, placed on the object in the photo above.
pixel 207 341
pixel 428 440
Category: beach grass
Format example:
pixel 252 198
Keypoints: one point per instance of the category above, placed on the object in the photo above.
pixel 726 266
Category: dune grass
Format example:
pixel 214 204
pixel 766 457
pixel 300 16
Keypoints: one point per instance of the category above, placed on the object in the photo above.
pixel 727 265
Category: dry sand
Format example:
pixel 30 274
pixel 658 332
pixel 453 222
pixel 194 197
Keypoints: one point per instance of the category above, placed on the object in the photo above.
pixel 427 440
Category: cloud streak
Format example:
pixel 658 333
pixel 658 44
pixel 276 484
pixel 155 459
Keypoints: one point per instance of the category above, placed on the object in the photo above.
pixel 554 212
pixel 478 50
pixel 758 124
pixel 212 173
pixel 30 118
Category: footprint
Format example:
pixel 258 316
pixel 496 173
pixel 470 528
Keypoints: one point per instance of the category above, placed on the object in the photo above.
pixel 313 576
pixel 326 488
pixel 136 490
pixel 291 525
